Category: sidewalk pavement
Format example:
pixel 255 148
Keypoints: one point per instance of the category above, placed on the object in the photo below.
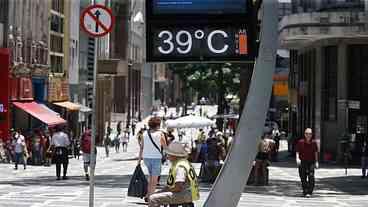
pixel 37 186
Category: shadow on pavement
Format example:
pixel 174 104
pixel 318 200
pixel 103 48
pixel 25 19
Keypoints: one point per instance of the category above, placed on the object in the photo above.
pixel 127 159
pixel 103 181
pixel 327 187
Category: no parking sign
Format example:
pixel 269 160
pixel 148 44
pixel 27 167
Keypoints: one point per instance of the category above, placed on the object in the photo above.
pixel 97 20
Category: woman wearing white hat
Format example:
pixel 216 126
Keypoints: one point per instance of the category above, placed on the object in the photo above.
pixel 182 182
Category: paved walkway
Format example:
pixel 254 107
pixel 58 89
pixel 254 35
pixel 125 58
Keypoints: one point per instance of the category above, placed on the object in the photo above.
pixel 37 186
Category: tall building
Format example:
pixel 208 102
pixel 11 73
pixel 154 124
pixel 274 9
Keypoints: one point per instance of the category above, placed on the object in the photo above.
pixel 26 33
pixel 328 76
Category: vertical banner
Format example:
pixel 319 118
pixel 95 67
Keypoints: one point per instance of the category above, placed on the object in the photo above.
pixel 4 93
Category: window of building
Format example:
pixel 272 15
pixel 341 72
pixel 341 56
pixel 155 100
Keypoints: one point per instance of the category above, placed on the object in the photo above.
pixel 56 43
pixel 57 64
pixel 57 23
pixel 329 90
pixel 58 6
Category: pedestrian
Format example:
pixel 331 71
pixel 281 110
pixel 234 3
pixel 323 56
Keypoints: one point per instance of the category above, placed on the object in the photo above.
pixel 170 136
pixel 86 149
pixel 118 127
pixel 134 124
pixel 3 158
pixel 262 159
pixel 181 135
pixel 107 143
pixel 124 139
pixel 201 139
pixel 365 159
pixel 140 136
pixel 117 143
pixel 48 151
pixel 20 150
pixel 76 148
pixel 150 152
pixel 182 183
pixel 36 150
pixel 60 143
pixel 212 132
pixel 276 137
pixel 307 161
pixel 212 153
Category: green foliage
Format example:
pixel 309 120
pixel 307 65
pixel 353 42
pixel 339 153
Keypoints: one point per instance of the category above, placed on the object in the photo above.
pixel 206 79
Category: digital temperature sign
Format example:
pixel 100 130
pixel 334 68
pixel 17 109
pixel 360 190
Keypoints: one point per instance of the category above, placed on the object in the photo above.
pixel 199 6
pixel 200 30
pixel 207 43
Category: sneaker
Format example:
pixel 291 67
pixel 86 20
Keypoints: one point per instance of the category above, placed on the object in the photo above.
pixel 58 178
pixel 65 178
pixel 308 195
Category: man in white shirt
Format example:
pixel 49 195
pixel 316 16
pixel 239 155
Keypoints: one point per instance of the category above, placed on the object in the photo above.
pixel 60 142
pixel 20 149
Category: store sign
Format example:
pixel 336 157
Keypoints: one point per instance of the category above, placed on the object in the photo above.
pixel 179 31
pixel 353 104
pixel 58 90
pixel 4 95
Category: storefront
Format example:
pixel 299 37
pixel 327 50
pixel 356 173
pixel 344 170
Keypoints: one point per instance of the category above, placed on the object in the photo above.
pixel 38 111
pixel 4 94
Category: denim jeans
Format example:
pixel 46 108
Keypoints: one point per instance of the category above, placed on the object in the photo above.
pixel 19 158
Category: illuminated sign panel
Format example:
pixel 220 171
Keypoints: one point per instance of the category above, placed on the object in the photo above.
pixel 199 30
pixel 203 42
pixel 199 6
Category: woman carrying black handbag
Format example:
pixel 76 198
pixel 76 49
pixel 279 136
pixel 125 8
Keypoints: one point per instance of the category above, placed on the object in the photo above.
pixel 151 153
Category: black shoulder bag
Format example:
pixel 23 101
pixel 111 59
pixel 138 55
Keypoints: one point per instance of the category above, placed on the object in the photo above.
pixel 163 159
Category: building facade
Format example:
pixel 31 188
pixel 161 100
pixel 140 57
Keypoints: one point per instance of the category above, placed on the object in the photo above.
pixel 328 76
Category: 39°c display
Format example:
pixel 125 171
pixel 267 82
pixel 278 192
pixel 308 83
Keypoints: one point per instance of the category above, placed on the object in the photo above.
pixel 201 43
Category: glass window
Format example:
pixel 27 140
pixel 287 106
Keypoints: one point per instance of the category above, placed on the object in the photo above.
pixel 58 5
pixel 57 23
pixel 56 44
pixel 57 64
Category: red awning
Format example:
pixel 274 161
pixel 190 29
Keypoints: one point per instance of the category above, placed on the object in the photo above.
pixel 40 113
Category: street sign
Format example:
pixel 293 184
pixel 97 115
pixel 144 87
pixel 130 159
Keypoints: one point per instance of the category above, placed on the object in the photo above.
pixel 200 31
pixel 97 20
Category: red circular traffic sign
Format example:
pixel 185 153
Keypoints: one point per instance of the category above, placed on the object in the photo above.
pixel 97 20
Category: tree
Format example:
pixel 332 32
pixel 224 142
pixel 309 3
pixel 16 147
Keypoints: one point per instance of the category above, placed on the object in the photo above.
pixel 214 80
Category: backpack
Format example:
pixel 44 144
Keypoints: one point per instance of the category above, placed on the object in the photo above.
pixel 86 144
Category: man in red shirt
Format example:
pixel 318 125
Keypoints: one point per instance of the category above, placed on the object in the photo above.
pixel 307 160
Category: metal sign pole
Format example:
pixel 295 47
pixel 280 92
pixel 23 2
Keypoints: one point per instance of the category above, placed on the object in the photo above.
pixel 94 128
pixel 233 176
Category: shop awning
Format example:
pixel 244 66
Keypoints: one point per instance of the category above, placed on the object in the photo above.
pixel 39 112
pixel 69 105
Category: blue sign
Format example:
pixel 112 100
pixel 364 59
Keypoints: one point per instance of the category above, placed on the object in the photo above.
pixel 199 6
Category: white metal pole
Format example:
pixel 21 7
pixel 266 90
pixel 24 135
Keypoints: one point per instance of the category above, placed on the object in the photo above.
pixel 233 176
pixel 94 128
